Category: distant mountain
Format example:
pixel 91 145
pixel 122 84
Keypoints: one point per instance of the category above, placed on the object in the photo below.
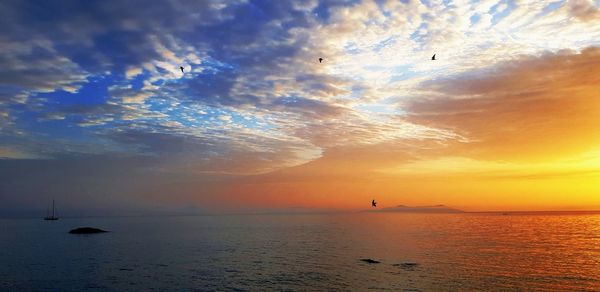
pixel 420 209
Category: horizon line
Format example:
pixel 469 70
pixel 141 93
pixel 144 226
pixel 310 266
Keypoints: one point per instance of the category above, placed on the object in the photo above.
pixel 315 211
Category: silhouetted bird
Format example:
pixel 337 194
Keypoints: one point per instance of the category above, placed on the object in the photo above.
pixel 181 69
pixel 433 57
pixel 320 60
pixel 373 203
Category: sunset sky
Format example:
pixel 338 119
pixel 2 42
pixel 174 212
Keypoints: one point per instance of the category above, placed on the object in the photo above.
pixel 95 112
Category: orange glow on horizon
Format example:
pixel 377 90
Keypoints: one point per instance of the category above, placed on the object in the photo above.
pixel 531 142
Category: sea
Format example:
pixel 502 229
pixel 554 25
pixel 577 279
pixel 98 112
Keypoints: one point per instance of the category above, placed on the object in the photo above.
pixel 305 252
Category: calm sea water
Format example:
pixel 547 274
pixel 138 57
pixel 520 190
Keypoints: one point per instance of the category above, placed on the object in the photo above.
pixel 418 252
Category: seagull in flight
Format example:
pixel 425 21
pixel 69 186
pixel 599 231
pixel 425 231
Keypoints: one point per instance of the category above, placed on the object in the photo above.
pixel 181 69
pixel 373 203
pixel 320 60
pixel 433 57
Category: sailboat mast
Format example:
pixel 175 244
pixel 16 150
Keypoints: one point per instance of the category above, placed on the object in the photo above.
pixel 53 209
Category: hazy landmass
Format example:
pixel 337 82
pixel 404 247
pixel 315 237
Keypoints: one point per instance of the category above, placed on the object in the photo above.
pixel 420 209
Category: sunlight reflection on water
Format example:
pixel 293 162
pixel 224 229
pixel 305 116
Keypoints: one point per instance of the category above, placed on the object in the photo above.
pixel 304 252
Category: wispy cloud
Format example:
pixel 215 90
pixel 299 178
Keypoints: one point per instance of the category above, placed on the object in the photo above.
pixel 527 108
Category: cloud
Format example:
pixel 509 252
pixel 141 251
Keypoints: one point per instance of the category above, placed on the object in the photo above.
pixel 526 109
pixel 234 152
pixel 93 37
pixel 307 107
pixel 37 67
pixel 133 72
pixel 584 10
pixel 5 121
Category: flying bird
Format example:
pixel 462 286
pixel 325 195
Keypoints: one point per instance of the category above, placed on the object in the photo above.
pixel 373 203
pixel 181 69
pixel 433 57
pixel 320 60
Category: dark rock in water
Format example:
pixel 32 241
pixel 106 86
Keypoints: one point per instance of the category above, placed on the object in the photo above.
pixel 407 266
pixel 370 261
pixel 86 230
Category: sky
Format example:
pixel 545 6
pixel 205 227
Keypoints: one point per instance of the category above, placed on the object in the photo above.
pixel 95 112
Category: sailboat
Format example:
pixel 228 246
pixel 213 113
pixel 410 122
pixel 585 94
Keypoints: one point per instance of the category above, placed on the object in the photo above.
pixel 53 216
